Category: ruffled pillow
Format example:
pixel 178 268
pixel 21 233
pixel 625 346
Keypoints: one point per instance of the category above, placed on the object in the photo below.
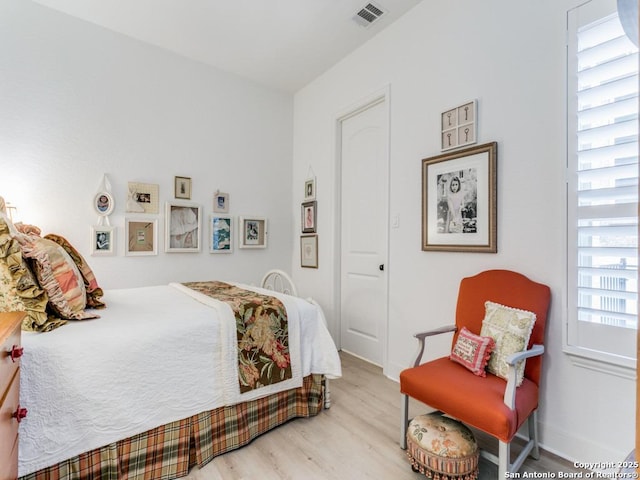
pixel 511 329
pixel 28 229
pixel 472 351
pixel 58 276
pixel 94 292
pixel 19 289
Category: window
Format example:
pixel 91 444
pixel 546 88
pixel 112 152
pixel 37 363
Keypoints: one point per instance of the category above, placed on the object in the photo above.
pixel 602 186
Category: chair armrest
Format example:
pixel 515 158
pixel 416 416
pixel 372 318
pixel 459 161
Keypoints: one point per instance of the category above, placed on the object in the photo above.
pixel 534 351
pixel 423 335
pixel 512 360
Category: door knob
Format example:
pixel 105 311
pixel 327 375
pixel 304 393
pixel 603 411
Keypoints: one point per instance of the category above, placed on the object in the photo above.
pixel 381 267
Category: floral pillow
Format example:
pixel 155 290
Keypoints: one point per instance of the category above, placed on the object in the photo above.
pixel 511 329
pixel 58 276
pixel 94 292
pixel 472 351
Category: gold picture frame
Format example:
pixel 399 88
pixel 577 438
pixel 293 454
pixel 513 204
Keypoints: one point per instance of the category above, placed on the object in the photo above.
pixel 182 188
pixel 459 200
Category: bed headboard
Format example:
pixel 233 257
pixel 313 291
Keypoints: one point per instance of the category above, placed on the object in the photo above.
pixel 279 281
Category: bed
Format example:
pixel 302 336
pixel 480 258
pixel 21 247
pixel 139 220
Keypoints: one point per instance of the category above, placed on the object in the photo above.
pixel 155 385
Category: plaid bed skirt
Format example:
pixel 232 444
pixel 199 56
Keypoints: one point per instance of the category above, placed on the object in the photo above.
pixel 169 451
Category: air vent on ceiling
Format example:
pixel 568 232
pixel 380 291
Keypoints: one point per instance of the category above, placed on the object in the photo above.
pixel 368 14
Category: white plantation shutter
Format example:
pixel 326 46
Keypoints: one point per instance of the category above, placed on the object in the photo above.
pixel 602 189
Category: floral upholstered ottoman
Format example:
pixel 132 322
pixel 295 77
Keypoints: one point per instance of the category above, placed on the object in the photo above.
pixel 442 448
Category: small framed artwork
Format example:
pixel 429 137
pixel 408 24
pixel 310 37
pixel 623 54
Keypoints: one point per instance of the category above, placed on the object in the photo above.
pixel 253 232
pixel 459 126
pixel 309 217
pixel 220 234
pixel 183 224
pixel 103 240
pixel 182 188
pixel 142 236
pixel 103 203
pixel 310 188
pixel 143 198
pixel 459 200
pixel 309 251
pixel 221 202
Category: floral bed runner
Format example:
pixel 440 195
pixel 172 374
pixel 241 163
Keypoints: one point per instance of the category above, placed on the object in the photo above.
pixel 262 332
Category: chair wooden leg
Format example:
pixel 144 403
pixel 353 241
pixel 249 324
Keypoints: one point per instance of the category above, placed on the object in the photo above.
pixel 533 435
pixel 504 459
pixel 404 421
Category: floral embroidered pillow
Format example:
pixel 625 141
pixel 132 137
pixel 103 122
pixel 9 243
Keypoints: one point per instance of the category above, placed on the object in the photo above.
pixel 472 351
pixel 511 329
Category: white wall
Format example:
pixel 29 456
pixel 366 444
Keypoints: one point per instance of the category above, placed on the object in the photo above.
pixel 510 56
pixel 78 101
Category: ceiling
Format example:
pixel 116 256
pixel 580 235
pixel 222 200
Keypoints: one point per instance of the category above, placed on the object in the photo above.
pixel 283 44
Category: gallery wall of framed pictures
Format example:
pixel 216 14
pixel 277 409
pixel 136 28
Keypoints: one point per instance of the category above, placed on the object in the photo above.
pixel 187 227
pixel 308 223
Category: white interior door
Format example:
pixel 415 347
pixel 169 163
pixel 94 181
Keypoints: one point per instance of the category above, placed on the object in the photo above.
pixel 364 239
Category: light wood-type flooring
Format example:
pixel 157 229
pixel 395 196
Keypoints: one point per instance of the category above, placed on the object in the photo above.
pixel 357 438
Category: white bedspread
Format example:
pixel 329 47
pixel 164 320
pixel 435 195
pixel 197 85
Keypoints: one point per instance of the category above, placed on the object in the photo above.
pixel 154 356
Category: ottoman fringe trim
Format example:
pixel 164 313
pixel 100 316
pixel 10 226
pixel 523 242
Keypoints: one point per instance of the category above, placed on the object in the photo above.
pixel 438 468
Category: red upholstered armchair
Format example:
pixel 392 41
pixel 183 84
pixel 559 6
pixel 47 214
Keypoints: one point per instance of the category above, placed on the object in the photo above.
pixel 491 404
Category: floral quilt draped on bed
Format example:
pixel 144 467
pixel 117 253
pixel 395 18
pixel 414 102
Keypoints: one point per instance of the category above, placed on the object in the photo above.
pixel 262 332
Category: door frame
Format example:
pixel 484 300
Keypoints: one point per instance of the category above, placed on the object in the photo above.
pixel 379 96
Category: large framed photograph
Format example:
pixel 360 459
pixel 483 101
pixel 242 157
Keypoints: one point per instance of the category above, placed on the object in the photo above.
pixel 182 187
pixel 183 224
pixel 309 251
pixel 142 236
pixel 459 200
pixel 220 234
pixel 253 232
pixel 103 240
pixel 143 198
pixel 309 210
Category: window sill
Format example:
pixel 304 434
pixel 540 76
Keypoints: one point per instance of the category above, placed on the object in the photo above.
pixel 623 367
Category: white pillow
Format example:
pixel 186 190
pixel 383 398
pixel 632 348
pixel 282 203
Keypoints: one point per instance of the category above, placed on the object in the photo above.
pixel 511 329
